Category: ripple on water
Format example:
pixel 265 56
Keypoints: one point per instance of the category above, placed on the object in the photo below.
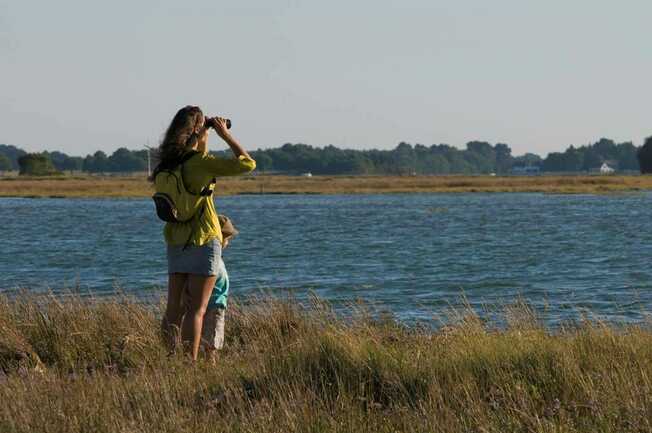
pixel 414 254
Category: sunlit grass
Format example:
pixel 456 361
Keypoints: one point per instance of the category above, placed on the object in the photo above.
pixel 137 186
pixel 72 365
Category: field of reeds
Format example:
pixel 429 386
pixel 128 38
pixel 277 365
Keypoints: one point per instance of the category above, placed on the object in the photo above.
pixel 137 186
pixel 73 365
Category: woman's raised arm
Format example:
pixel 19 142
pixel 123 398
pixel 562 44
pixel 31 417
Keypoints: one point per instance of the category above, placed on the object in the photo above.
pixel 242 163
pixel 220 127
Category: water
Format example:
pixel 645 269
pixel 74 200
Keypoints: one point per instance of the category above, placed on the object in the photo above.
pixel 412 254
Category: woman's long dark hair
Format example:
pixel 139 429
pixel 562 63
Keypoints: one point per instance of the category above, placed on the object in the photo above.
pixel 181 135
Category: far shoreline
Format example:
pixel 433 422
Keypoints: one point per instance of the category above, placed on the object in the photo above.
pixel 138 187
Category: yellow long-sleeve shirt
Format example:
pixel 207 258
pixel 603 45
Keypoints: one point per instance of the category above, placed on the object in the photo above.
pixel 198 171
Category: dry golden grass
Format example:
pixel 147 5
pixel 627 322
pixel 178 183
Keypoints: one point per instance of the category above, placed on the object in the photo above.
pixel 68 365
pixel 91 186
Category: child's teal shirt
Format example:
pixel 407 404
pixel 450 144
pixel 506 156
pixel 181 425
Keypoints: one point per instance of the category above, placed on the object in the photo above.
pixel 221 290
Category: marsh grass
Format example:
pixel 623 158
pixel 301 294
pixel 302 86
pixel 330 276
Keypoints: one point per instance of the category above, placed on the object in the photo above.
pixel 134 186
pixel 74 365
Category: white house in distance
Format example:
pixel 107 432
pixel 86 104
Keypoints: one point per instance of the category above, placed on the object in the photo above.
pixel 606 169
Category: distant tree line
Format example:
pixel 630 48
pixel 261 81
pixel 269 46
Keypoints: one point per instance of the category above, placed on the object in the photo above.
pixel 121 161
pixel 478 157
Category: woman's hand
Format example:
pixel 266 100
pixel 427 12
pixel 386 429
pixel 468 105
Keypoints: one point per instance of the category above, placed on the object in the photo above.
pixel 219 124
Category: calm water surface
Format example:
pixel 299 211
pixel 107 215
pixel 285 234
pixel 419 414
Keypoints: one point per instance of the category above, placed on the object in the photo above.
pixel 412 254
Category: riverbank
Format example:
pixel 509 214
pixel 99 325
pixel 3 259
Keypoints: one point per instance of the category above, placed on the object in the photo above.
pixel 95 186
pixel 72 366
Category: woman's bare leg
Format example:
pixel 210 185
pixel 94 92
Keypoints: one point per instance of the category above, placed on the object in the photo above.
pixel 173 313
pixel 200 288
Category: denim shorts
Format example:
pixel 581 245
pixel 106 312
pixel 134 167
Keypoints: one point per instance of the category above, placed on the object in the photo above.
pixel 199 260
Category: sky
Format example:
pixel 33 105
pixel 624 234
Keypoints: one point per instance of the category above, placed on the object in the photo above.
pixel 81 76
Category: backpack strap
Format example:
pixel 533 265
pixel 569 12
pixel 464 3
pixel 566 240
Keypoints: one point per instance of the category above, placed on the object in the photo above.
pixel 206 192
pixel 196 218
pixel 208 189
pixel 186 156
pixel 183 160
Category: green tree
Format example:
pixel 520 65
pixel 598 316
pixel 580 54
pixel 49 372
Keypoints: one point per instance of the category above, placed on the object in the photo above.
pixel 263 161
pixel 124 160
pixel 440 165
pixel 574 159
pixel 404 159
pixel 96 163
pixel 36 164
pixel 592 159
pixel 645 156
pixel 553 162
pixel 13 153
pixel 72 163
pixel 5 163
pixel 57 158
pixel 504 160
pixel 627 159
pixel 480 156
pixel 458 164
pixel 571 160
pixel 528 160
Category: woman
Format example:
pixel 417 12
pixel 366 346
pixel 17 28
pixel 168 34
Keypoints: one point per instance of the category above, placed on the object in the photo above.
pixel 194 249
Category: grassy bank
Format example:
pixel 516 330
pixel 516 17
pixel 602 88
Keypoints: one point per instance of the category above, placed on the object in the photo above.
pixel 72 366
pixel 91 186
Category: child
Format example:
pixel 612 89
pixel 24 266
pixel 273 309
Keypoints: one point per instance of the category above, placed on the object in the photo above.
pixel 212 331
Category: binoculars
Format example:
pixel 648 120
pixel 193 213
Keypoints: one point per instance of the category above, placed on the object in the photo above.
pixel 209 123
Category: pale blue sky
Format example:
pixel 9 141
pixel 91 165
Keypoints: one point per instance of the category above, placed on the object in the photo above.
pixel 79 76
